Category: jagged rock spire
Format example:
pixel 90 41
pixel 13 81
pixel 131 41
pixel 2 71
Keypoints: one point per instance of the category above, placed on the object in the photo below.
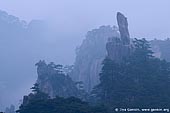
pixel 123 28
pixel 119 48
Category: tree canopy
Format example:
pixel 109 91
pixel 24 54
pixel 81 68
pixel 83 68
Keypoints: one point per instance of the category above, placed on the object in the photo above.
pixel 140 81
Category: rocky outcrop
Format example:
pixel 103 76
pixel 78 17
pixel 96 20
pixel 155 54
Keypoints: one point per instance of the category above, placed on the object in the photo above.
pixel 119 47
pixel 54 82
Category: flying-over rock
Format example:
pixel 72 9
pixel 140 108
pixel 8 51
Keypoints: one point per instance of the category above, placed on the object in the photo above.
pixel 123 28
pixel 119 47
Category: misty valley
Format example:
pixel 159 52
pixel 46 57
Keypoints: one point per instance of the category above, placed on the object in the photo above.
pixel 112 71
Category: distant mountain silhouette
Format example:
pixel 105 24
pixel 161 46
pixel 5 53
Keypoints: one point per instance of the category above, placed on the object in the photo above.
pixel 20 44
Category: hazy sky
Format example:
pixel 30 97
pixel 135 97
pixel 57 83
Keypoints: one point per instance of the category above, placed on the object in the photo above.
pixel 147 18
pixel 71 19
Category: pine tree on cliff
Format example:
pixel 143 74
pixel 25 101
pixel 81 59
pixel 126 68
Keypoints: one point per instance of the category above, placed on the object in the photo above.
pixel 140 81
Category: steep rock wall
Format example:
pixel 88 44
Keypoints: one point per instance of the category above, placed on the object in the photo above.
pixel 91 54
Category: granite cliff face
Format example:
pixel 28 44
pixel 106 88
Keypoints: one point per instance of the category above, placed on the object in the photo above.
pixel 93 51
pixel 90 55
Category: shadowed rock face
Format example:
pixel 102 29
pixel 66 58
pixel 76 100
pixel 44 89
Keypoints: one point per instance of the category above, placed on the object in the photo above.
pixel 119 48
pixel 123 28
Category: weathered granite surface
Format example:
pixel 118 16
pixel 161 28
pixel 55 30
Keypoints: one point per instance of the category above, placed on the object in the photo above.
pixel 90 55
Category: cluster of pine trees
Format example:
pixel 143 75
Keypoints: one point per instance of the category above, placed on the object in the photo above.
pixel 41 103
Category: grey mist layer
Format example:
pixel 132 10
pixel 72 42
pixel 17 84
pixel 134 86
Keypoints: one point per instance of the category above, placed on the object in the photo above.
pixel 64 26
